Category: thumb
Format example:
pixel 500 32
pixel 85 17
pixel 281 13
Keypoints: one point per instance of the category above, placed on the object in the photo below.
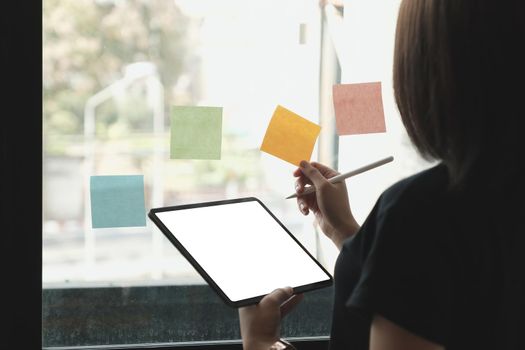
pixel 278 296
pixel 312 174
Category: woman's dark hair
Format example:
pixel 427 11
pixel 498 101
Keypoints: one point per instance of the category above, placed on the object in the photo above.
pixel 459 81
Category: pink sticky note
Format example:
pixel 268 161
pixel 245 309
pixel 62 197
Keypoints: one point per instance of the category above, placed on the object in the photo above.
pixel 358 108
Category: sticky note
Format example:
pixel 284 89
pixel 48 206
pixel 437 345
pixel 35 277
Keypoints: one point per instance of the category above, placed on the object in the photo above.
pixel 358 108
pixel 196 132
pixel 117 201
pixel 290 136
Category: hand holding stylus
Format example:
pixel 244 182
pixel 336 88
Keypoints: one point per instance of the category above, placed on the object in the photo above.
pixel 329 203
pixel 327 198
pixel 342 177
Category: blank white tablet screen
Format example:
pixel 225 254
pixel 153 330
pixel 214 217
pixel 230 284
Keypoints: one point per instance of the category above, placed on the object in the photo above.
pixel 242 248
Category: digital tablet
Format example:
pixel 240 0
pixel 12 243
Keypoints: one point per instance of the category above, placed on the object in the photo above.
pixel 240 248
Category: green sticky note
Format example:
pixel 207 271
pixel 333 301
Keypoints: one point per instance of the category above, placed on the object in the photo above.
pixel 196 132
pixel 117 201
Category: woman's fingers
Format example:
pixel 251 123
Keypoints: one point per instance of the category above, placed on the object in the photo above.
pixel 303 202
pixel 290 304
pixel 282 298
pixel 303 206
pixel 307 174
pixel 313 174
pixel 277 297
pixel 323 169
pixel 327 172
pixel 301 183
pixel 307 203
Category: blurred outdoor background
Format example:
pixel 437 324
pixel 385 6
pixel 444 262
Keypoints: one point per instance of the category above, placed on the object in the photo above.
pixel 113 69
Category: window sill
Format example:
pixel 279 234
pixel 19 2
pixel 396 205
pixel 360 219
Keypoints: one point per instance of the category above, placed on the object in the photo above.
pixel 164 317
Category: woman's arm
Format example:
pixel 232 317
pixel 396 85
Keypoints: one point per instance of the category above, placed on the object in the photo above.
pixel 386 335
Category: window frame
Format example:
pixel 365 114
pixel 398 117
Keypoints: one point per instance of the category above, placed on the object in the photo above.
pixel 21 187
pixel 318 343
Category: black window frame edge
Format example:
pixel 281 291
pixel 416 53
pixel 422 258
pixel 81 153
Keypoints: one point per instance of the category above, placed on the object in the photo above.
pixel 21 163
pixel 303 343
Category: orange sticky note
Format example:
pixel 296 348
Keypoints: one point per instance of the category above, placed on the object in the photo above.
pixel 290 136
pixel 358 108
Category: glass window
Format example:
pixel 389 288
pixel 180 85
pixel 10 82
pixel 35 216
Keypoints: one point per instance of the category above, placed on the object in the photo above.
pixel 112 71
pixel 364 43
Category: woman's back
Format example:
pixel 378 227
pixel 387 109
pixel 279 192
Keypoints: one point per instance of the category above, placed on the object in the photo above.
pixel 489 266
pixel 442 254
pixel 445 265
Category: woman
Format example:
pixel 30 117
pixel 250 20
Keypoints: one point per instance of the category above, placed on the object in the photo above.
pixel 439 262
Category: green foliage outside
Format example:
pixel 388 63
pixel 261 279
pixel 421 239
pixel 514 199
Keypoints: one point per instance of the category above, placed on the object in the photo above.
pixel 86 45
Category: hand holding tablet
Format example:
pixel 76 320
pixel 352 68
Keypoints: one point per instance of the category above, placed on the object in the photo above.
pixel 240 248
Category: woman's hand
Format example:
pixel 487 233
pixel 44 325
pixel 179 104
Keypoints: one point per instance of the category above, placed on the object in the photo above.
pixel 261 323
pixel 329 203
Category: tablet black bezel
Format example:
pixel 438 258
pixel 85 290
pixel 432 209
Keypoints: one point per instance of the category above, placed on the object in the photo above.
pixel 202 272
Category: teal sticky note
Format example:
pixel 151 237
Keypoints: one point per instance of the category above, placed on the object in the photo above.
pixel 117 201
pixel 196 133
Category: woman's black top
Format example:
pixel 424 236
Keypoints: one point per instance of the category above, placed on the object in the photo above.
pixel 446 265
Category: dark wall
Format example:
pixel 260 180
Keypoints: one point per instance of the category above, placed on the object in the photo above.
pixel 21 173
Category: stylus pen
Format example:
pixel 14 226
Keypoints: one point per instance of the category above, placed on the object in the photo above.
pixel 344 176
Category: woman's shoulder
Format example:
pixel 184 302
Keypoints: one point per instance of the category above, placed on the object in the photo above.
pixel 420 190
pixel 401 257
pixel 406 214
